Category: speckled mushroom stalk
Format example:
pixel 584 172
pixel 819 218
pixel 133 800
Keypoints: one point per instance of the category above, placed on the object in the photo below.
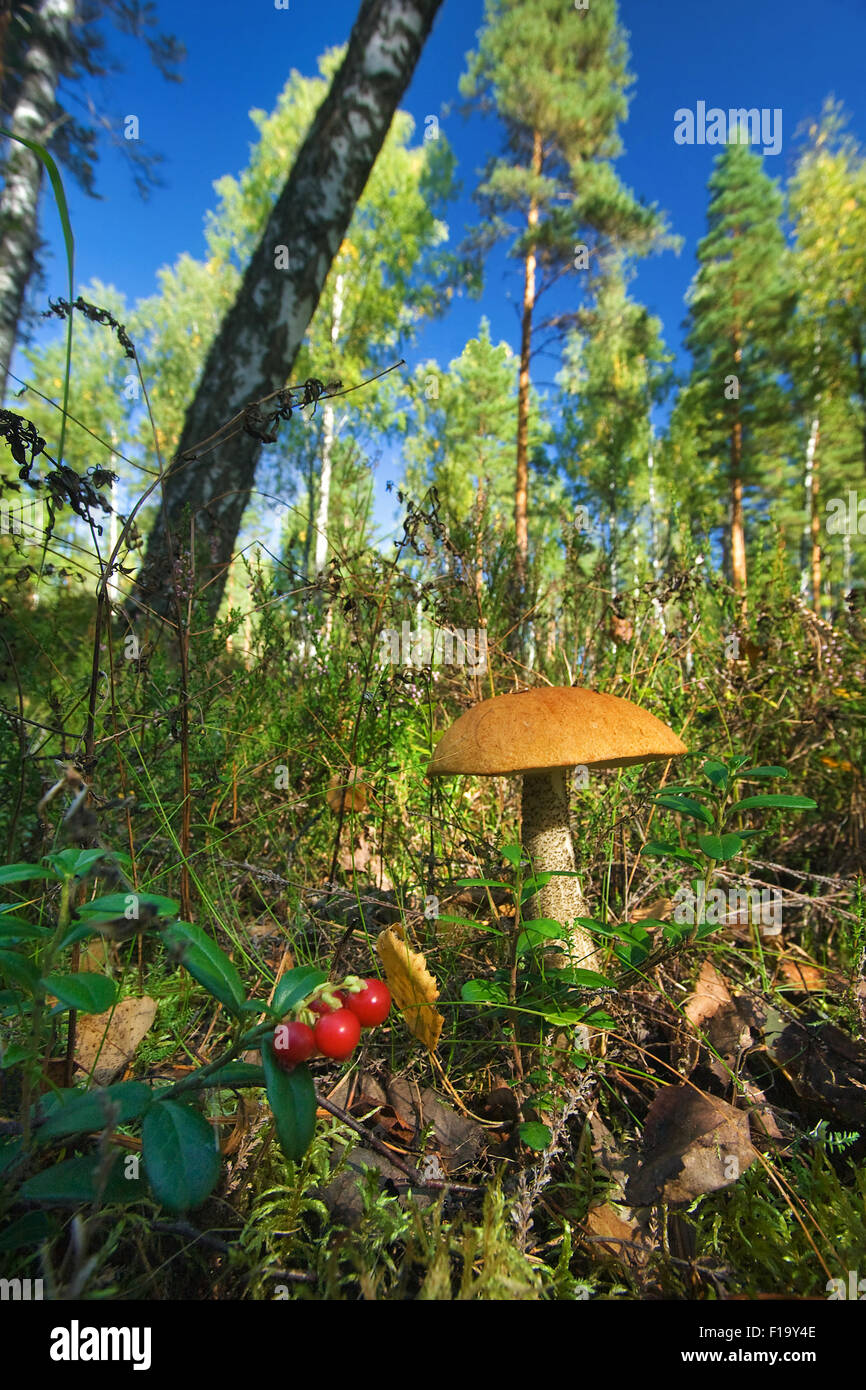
pixel 546 837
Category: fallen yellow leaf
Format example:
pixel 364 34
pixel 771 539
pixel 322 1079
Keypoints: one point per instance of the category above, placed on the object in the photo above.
pixel 413 987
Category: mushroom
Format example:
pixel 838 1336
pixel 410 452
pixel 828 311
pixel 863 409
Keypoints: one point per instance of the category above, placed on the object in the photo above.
pixel 540 733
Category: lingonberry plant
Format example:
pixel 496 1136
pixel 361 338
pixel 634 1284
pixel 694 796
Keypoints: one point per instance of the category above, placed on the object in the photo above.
pixel 330 1021
pixel 180 1164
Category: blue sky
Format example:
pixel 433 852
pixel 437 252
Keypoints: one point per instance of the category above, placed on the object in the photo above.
pixel 787 54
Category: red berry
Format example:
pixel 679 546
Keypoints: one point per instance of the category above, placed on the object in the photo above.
pixel 293 1042
pixel 338 1034
pixel 319 1006
pixel 372 1004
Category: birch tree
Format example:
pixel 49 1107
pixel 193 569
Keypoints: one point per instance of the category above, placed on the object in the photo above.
pixel 209 481
pixel 53 43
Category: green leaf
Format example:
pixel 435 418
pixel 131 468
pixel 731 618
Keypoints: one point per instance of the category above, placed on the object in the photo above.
pixel 536 930
pixel 234 1075
pixel 717 773
pixel 535 1135
pixel 84 1112
pixel 20 873
pixel 16 929
pixel 513 854
pixel 30 1229
pixel 182 1162
pixel 582 979
pixel 17 969
pixel 597 1018
pixel 480 883
pixel 763 772
pixel 531 885
pixel 483 992
pixel 207 964
pixel 687 805
pixel 292 1098
pixel 664 849
pixel 10 1152
pixel 792 803
pixel 721 846
pixel 295 986
pixel 675 933
pixel 73 1183
pixel 470 924
pixel 88 993
pixel 631 953
pixel 131 906
pixel 13 1054
pixel 75 863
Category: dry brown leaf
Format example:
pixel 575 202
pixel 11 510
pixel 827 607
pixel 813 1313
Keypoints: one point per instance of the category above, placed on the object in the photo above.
pixel 710 994
pixel 692 1143
pixel 362 859
pixel 413 987
pixel 95 955
pixel 627 1241
pixel 109 1040
pixel 803 975
pixel 658 910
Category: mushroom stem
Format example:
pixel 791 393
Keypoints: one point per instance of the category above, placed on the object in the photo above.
pixel 547 840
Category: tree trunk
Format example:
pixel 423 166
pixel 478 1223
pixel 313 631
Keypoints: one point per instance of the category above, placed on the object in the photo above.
pixel 328 438
pixel 654 535
pixel 738 533
pixel 813 524
pixel 19 203
pixel 521 485
pixel 253 353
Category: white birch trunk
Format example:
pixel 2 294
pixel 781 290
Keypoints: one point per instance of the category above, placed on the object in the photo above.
pixel 19 203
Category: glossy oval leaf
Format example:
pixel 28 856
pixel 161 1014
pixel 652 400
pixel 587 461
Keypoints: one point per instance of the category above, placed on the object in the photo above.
pixel 687 805
pixel 294 986
pixel 716 772
pixel 88 993
pixel 535 1135
pixel 182 1163
pixel 20 873
pixel 763 772
pixel 73 1182
pixel 206 962
pixel 19 971
pixel 30 1229
pixel 292 1098
pixel 791 803
pixel 721 847
pixel 118 904
pixel 16 929
pixel 513 854
pixel 483 992
pixel 84 1112
pixel 666 849
pixel 234 1076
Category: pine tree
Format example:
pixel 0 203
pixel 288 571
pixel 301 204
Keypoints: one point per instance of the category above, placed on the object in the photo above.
pixel 617 369
pixel 740 303
pixel 557 78
pixel 828 207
